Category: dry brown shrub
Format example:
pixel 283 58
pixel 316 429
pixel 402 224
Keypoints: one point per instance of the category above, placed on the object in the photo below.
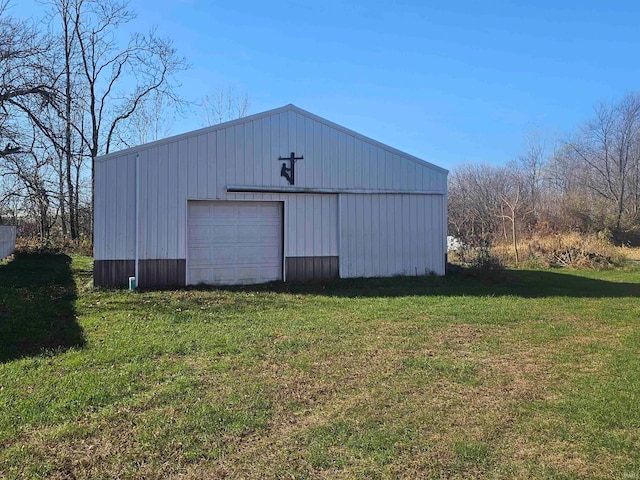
pixel 573 250
pixel 53 246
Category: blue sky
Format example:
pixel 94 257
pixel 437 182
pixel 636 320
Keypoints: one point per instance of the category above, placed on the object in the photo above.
pixel 449 82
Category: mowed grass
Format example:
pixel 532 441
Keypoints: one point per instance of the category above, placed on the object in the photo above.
pixel 392 378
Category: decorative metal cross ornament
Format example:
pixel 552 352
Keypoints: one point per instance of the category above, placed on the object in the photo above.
pixel 290 173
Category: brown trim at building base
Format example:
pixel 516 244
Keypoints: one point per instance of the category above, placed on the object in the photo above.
pixel 113 273
pixel 163 273
pixel 300 269
pixel 157 273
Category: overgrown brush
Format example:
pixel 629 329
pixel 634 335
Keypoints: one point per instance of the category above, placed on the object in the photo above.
pixel 487 266
pixel 572 250
pixel 35 246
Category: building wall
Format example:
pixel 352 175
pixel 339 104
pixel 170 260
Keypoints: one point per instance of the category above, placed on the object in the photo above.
pixel 7 240
pixel 244 153
pixel 388 234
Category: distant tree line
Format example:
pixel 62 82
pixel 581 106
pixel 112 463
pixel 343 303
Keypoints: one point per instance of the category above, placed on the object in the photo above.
pixel 74 85
pixel 589 183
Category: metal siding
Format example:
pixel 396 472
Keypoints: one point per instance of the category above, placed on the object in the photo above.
pixel 212 172
pixel 165 181
pixel 314 165
pixel 390 234
pixel 349 164
pixel 310 148
pixel 313 237
pixel 293 232
pixel 406 239
pixel 130 248
pixel 149 205
pixel 311 268
pixel 238 156
pixel 112 226
pixel 247 154
pixel 203 165
pixel 219 163
pixel 358 164
pixel 143 182
pixel 341 158
pixel 112 273
pixel 377 162
pixel 180 199
pixel 173 184
pixel 392 180
pixel 100 211
pixel 7 240
pixel 120 202
pixel 288 132
pixel 266 156
pixel 424 235
pixel 377 231
pixel 333 157
pixel 304 222
pixel 192 167
pixel 114 221
pixel 284 135
pixel 257 157
pixel 162 273
pixel 385 244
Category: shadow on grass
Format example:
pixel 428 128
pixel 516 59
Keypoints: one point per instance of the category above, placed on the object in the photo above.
pixel 37 307
pixel 521 283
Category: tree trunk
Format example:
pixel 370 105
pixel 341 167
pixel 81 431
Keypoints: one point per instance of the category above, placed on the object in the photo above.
pixel 61 198
pixel 515 238
pixel 73 214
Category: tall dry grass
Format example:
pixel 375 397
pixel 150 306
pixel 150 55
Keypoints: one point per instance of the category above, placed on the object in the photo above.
pixel 34 245
pixel 573 250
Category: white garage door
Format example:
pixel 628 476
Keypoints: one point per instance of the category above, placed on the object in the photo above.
pixel 234 243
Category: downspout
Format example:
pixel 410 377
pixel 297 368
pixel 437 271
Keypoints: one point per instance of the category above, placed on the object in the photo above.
pixel 137 217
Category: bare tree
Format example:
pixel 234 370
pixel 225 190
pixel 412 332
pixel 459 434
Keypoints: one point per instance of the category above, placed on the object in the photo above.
pixel 224 105
pixel 33 183
pixel 531 166
pixel 25 83
pixel 517 182
pixel 475 202
pixel 113 81
pixel 609 148
pixel 153 120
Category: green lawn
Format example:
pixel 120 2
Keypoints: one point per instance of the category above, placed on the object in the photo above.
pixel 394 378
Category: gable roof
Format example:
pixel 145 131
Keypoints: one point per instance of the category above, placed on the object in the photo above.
pixel 290 107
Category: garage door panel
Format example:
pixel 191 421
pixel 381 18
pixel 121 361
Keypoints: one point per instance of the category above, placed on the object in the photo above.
pixel 255 255
pixel 199 233
pixel 223 255
pixel 224 234
pixel 223 275
pixel 248 274
pixel 274 273
pixel 199 210
pixel 259 233
pixel 272 209
pixel 200 276
pixel 199 255
pixel 223 210
pixel 234 242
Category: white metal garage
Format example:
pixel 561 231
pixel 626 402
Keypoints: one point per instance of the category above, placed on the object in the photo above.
pixel 234 243
pixel 280 195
